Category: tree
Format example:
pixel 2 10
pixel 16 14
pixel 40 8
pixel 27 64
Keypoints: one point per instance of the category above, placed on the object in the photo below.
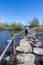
pixel 2 26
pixel 42 23
pixel 16 26
pixel 34 23
pixel 19 26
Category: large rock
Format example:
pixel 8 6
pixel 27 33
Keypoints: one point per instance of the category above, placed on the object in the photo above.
pixel 19 48
pixel 32 39
pixel 42 59
pixel 23 40
pixel 30 42
pixel 33 34
pixel 26 64
pixel 23 43
pixel 26 58
pixel 7 58
pixel 38 44
pixel 24 47
pixel 28 36
pixel 38 51
pixel 36 40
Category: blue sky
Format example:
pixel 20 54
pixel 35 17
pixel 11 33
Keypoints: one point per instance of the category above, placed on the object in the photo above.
pixel 21 11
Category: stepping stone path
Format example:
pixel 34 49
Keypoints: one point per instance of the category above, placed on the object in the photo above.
pixel 32 51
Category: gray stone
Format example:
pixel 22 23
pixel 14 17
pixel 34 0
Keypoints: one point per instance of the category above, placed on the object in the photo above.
pixel 38 44
pixel 26 58
pixel 26 64
pixel 38 51
pixel 24 47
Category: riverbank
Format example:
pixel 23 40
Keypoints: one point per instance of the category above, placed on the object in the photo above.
pixel 11 27
pixel 38 28
pixel 12 31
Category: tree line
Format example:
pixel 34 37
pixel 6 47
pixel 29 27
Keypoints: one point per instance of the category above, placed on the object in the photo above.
pixel 13 26
pixel 36 23
pixel 19 26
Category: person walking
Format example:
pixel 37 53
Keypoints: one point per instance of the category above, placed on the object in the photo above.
pixel 26 31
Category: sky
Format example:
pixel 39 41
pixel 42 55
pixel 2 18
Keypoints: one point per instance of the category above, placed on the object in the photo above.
pixel 21 11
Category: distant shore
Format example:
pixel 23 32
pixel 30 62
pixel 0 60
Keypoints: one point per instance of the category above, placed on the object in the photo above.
pixel 38 28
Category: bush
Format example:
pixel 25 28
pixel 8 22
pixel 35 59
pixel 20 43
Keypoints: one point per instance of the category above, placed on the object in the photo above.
pixel 13 26
pixel 34 23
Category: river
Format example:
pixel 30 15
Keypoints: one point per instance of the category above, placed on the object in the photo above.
pixel 4 36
